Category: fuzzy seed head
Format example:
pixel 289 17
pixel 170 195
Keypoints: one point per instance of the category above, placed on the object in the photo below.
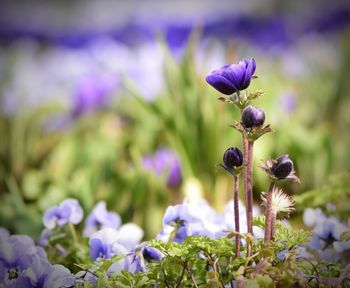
pixel 281 202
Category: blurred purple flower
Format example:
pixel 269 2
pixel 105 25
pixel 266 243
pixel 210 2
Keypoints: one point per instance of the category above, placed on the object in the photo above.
pixel 288 102
pixel 41 274
pixel 44 237
pixel 327 232
pixel 185 219
pixel 165 161
pixel 104 244
pixel 151 254
pixel 232 78
pixel 4 232
pixel 130 235
pixel 69 211
pixel 101 218
pixel 136 261
pixel 17 253
pixel 92 94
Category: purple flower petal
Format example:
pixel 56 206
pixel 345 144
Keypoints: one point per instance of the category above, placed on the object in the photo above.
pixel 221 84
pixel 249 73
pixel 69 211
pixel 235 74
pixel 232 78
pixel 101 218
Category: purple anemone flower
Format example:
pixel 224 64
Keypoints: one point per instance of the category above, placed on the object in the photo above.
pixel 17 253
pixel 69 211
pixel 41 274
pixel 165 161
pixel 101 218
pixel 232 78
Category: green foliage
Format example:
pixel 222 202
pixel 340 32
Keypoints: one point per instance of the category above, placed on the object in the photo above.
pixel 336 191
pixel 203 262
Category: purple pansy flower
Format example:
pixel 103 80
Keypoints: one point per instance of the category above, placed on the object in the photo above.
pixel 232 78
pixel 44 238
pixel 17 253
pixel 165 161
pixel 185 218
pixel 104 244
pixel 101 218
pixel 130 235
pixel 136 261
pixel 327 232
pixel 41 274
pixel 69 211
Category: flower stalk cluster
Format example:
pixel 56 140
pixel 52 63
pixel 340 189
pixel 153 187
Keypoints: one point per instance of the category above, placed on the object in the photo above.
pixel 232 81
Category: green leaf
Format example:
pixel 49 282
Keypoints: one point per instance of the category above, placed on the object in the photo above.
pixel 345 236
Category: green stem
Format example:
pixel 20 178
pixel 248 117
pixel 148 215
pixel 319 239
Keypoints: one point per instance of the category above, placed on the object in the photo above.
pixel 73 232
pixel 268 215
pixel 192 277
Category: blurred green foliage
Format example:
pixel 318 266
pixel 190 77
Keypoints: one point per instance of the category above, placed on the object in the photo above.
pixel 99 156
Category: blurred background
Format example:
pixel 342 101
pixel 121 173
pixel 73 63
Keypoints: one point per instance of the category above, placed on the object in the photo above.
pixel 107 100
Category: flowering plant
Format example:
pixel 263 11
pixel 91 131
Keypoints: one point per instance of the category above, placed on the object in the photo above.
pixel 196 246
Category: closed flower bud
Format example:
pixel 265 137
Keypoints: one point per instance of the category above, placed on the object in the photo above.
pixel 252 117
pixel 282 167
pixel 233 157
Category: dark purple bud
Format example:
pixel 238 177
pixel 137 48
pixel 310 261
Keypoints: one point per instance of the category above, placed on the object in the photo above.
pixel 252 117
pixel 282 168
pixel 232 78
pixel 233 157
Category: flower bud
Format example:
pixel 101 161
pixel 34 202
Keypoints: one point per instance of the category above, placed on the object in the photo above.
pixel 283 167
pixel 252 117
pixel 233 157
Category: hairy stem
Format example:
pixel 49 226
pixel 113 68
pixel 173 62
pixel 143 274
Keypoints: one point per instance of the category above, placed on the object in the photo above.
pixel 268 214
pixel 273 225
pixel 250 187
pixel 236 213
pixel 245 173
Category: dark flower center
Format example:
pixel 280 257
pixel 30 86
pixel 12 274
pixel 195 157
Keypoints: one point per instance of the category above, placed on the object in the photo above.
pixel 12 273
pixel 329 240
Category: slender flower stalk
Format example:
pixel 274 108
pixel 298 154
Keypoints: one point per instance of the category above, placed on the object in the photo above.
pixel 276 202
pixel 273 224
pixel 233 161
pixel 73 233
pixel 268 215
pixel 250 187
pixel 236 213
pixel 245 171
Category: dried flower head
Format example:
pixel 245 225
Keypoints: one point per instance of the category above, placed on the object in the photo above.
pixel 281 202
